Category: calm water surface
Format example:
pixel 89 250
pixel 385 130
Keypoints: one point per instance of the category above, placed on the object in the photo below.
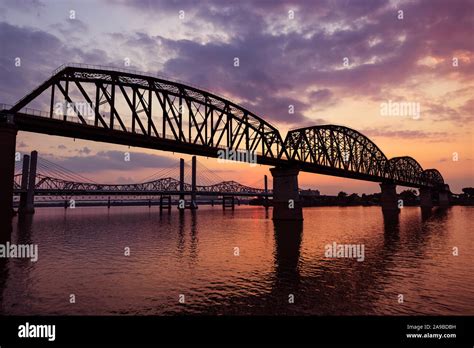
pixel 81 252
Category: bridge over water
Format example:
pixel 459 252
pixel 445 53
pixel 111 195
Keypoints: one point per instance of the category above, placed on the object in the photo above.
pixel 37 176
pixel 140 109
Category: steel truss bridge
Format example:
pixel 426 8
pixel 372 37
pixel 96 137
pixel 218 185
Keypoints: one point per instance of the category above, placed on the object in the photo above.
pixel 48 186
pixel 139 109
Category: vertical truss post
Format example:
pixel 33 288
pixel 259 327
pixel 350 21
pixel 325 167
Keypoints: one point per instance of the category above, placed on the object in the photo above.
pixel 165 115
pixel 51 108
pixel 150 120
pixel 112 102
pixel 66 94
pixel 134 111
pixel 180 116
pixel 97 101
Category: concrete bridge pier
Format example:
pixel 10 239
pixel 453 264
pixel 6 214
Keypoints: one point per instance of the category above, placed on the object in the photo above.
pixel 443 196
pixel 30 194
pixel 228 202
pixel 165 203
pixel 286 199
pixel 388 198
pixel 426 201
pixel 265 182
pixel 24 184
pixel 193 184
pixel 7 166
pixel 181 185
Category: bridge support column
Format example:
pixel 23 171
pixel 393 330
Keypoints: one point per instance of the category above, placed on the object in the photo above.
pixel 443 196
pixel 193 184
pixel 165 203
pixel 181 185
pixel 388 198
pixel 7 169
pixel 426 201
pixel 24 183
pixel 30 194
pixel 286 199
pixel 228 202
pixel 265 182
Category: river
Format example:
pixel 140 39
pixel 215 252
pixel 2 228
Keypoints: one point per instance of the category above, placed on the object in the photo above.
pixel 134 261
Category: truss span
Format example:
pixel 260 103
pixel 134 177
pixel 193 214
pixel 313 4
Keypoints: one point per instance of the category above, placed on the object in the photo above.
pixel 169 114
pixel 46 185
pixel 136 109
pixel 405 170
pixel 432 177
pixel 344 150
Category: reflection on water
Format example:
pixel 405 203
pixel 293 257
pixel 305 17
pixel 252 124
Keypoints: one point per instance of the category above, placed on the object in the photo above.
pixel 279 269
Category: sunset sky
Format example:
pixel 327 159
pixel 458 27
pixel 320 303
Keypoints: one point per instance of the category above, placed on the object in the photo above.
pixel 426 57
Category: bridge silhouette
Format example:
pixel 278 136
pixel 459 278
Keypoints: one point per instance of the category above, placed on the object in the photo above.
pixel 40 177
pixel 140 109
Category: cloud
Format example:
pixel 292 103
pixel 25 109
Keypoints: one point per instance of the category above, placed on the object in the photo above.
pixel 21 145
pixel 125 180
pixel 40 53
pixel 71 27
pixel 84 151
pixel 281 60
pixel 322 98
pixel 23 5
pixel 403 134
